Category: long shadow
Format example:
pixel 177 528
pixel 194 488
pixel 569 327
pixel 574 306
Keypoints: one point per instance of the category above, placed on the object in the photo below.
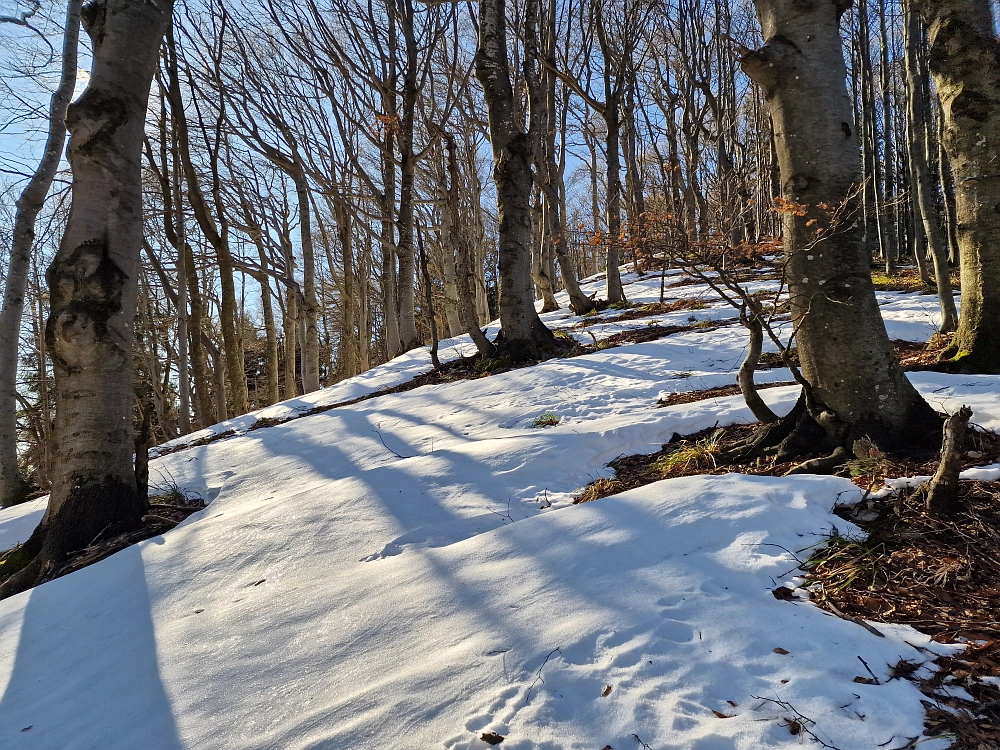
pixel 85 672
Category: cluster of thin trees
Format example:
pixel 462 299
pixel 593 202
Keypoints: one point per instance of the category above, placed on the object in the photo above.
pixel 268 197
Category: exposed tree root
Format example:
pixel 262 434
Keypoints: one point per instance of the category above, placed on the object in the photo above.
pixel 40 558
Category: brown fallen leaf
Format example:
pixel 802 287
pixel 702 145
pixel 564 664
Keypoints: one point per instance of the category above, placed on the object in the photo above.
pixel 734 704
pixel 606 692
pixel 794 727
pixel 784 681
pixel 492 738
pixel 783 593
pixel 721 715
pixel 865 680
pixel 780 650
pixel 607 747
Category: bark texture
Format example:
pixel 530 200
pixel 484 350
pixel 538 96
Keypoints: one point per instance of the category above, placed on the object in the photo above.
pixel 855 382
pixel 524 335
pixel 942 493
pixel 93 287
pixel 965 63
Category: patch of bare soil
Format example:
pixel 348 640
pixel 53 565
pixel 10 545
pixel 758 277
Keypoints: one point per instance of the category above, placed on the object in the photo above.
pixel 908 280
pixel 941 575
pixel 915 357
pixel 689 397
pixel 163 514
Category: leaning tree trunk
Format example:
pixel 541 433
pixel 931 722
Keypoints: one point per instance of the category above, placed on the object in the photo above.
pixel 93 282
pixel 13 488
pixel 965 63
pixel 855 380
pixel 524 334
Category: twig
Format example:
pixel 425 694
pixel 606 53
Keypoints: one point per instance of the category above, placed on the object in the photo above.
pixel 802 722
pixel 397 455
pixel 538 676
pixel 851 618
pixel 503 515
pixel 641 743
pixel 869 670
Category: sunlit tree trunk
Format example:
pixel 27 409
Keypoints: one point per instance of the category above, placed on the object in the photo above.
pixel 93 283
pixel 856 384
pixel 12 486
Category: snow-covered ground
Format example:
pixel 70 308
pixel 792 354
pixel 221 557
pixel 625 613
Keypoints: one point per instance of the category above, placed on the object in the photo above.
pixel 408 572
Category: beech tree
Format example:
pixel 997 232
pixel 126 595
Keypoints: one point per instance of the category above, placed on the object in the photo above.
pixel 855 387
pixel 93 283
pixel 524 334
pixel 965 62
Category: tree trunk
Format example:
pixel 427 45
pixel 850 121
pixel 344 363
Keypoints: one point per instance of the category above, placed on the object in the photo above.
pixel 204 413
pixel 465 278
pixel 267 312
pixel 921 179
pixel 853 376
pixel 965 63
pixel 310 311
pixel 539 266
pixel 13 488
pixel 93 283
pixel 524 335
pixel 612 122
pixel 407 168
pixel 942 492
pixel 393 345
pixel 217 235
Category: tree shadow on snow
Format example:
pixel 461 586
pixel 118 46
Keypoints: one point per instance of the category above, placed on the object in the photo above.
pixel 85 673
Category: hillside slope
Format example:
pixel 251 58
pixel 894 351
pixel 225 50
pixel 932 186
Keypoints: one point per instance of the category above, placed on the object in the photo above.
pixel 408 572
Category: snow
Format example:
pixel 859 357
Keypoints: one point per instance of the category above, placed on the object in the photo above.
pixel 408 572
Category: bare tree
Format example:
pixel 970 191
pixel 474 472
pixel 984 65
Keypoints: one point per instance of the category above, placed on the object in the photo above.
pixel 93 283
pixel 12 486
pixel 856 387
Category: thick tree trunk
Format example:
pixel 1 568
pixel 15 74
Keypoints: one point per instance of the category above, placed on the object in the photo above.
pixel 524 335
pixel 13 488
pixel 855 380
pixel 93 283
pixel 965 63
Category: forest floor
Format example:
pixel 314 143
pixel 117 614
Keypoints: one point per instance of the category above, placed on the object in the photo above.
pixel 380 569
